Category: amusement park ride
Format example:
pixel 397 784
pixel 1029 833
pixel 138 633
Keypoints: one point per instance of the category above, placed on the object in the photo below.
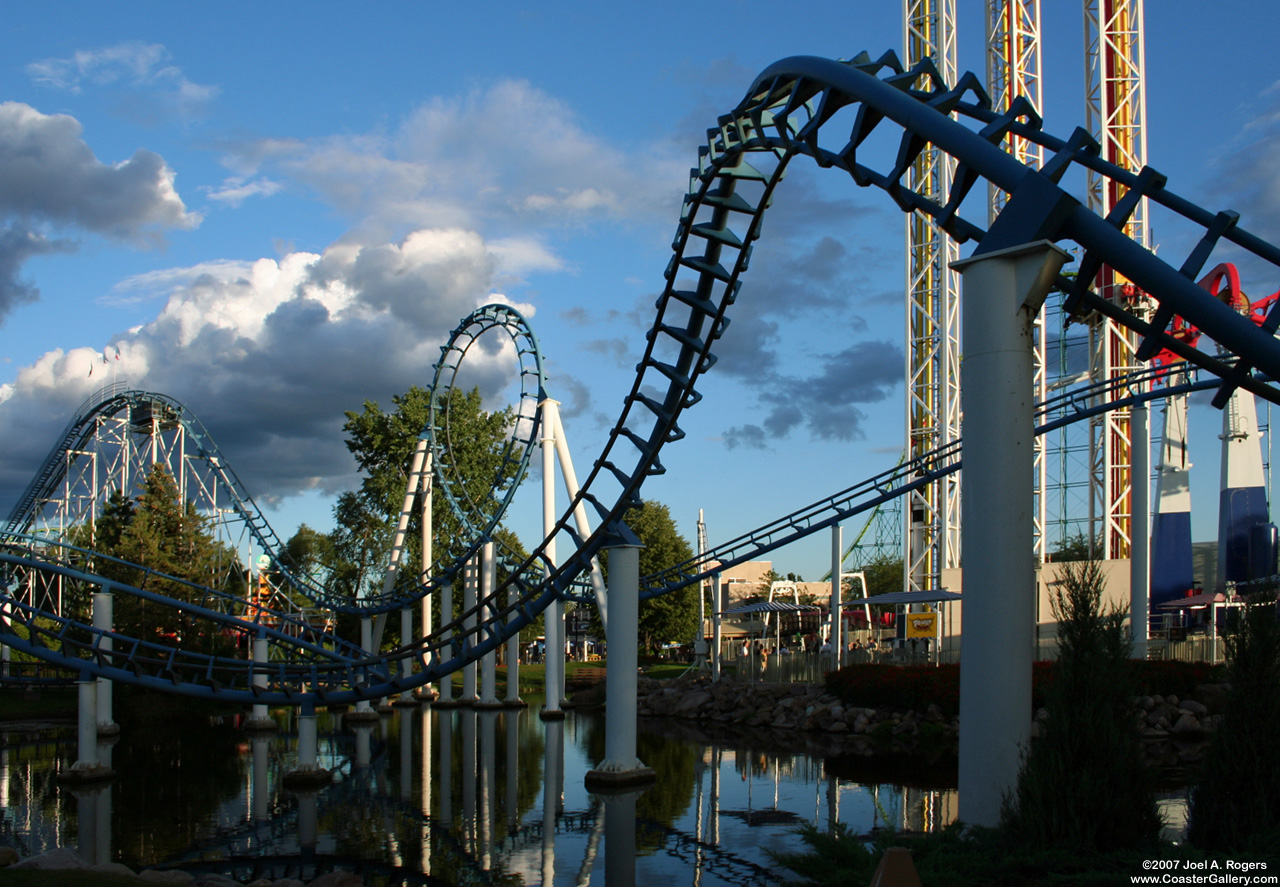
pixel 972 166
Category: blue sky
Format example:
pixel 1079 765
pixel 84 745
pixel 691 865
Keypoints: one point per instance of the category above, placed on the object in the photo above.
pixel 277 212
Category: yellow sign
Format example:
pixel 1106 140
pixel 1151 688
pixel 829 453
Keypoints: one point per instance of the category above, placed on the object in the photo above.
pixel 922 625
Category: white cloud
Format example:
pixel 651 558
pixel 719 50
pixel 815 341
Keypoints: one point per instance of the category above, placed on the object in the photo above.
pixel 509 153
pixel 49 177
pixel 237 189
pixel 269 354
pixel 133 64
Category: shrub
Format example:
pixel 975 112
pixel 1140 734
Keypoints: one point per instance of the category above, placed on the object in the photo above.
pixel 1236 805
pixel 1083 784
pixel 898 686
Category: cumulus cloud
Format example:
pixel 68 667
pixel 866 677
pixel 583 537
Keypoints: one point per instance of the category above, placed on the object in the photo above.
pixel 269 354
pixel 825 403
pixel 507 152
pixel 142 67
pixel 49 177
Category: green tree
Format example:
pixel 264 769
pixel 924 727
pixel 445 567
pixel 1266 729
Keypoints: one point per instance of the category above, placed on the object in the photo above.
pixel 1076 547
pixel 161 533
pixel 672 616
pixel 884 574
pixel 357 552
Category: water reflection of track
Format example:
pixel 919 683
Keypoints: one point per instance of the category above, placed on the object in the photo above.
pixel 824 110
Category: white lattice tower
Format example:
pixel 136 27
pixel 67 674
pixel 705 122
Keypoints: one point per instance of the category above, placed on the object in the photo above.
pixel 1014 70
pixel 1115 107
pixel 932 517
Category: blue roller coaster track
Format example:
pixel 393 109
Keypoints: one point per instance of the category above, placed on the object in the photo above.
pixel 825 110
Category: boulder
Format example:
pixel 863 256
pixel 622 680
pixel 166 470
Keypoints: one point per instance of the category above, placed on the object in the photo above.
pixel 167 876
pixel 58 858
pixel 338 879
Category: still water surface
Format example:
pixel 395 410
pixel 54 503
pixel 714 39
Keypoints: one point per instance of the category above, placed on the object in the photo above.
pixel 452 797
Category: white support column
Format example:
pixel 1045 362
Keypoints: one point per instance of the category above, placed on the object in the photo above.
pixel 470 579
pixel 103 604
pixel 717 606
pixel 260 720
pixel 1003 293
pixel 620 839
pixel 837 605
pixel 446 617
pixel 428 556
pixel 513 699
pixel 308 772
pixel 579 510
pixel 1140 528
pixel 489 662
pixel 364 709
pixel 621 768
pixel 553 616
pixel 87 767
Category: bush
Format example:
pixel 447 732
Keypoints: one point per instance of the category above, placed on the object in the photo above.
pixel 1083 784
pixel 898 686
pixel 1236 805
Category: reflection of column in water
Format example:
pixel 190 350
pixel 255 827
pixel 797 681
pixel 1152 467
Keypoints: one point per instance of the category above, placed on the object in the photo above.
pixel 593 847
pixel 102 800
pixel 698 836
pixel 363 733
pixel 469 779
pixel 513 767
pixel 426 789
pixel 552 770
pixel 307 826
pixel 715 796
pixel 488 783
pixel 445 726
pixel 620 840
pixel 258 792
pixel 833 804
pixel 406 755
pixel 87 822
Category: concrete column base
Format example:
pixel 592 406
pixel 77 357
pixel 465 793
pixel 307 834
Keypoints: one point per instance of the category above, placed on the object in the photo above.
pixel 110 728
pixel 514 703
pixel 81 774
pixel 549 715
pixel 405 700
pixel 260 725
pixel 426 694
pixel 384 707
pixel 612 777
pixel 360 716
pixel 488 705
pixel 310 777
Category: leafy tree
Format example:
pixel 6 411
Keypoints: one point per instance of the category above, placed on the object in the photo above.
pixel 884 574
pixel 672 616
pixel 383 445
pixel 356 554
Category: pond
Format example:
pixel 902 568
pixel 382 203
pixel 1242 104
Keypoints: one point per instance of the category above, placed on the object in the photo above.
pixel 454 797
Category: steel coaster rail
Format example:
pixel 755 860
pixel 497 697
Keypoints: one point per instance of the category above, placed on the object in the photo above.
pixel 782 116
pixel 902 479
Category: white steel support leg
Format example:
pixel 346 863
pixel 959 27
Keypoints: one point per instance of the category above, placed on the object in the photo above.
pixel 1003 293
pixel 406 638
pixel 553 616
pixel 716 607
pixel 87 735
pixel 364 709
pixel 621 768
pixel 308 772
pixel 428 555
pixel 489 663
pixel 1140 528
pixel 446 617
pixel 470 579
pixel 102 620
pixel 552 414
pixel 260 718
pixel 837 605
pixel 513 660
